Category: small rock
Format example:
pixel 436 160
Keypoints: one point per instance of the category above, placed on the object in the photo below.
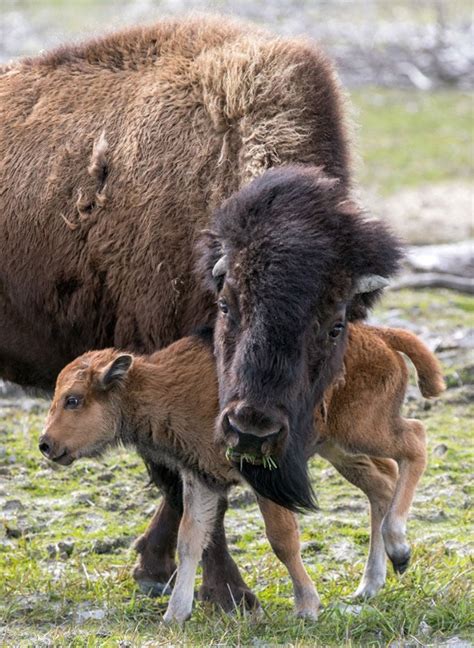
pixel 86 615
pixel 82 498
pixel 344 551
pixel 62 549
pixel 456 642
pixel 312 546
pixel 459 548
pixel 13 532
pixel 440 450
pixel 52 550
pixel 106 476
pixel 425 629
pixel 435 516
pixel 102 546
pixel 113 506
pixel 13 505
pixel 347 608
pixel 109 545
pixel 65 548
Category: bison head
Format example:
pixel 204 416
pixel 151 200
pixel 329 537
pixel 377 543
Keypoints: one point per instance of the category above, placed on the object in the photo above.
pixel 291 261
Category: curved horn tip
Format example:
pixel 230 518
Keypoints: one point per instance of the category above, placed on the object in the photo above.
pixel 369 283
pixel 220 267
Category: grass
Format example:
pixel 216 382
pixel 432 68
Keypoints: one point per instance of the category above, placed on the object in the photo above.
pixel 88 598
pixel 409 138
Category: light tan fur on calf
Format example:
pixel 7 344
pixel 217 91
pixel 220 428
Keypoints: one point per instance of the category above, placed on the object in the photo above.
pixel 166 405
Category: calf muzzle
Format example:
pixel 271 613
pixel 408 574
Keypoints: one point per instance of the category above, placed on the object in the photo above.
pixel 54 451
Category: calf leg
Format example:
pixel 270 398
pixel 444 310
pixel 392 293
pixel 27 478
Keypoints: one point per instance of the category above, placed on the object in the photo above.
pixel 282 531
pixel 410 453
pixel 195 531
pixel 377 479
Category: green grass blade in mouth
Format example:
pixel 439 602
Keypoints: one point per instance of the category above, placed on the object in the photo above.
pixel 266 461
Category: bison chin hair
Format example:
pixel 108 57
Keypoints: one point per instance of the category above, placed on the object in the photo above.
pixel 287 485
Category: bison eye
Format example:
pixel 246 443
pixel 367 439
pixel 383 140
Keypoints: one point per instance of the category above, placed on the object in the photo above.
pixel 336 330
pixel 72 402
pixel 222 305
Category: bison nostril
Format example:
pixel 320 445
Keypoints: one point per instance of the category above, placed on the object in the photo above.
pixel 45 448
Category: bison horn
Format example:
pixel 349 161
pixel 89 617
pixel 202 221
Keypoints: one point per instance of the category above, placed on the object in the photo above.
pixel 369 283
pixel 220 268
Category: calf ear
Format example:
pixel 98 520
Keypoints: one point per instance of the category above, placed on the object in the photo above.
pixel 115 371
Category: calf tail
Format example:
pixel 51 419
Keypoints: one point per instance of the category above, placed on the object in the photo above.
pixel 428 368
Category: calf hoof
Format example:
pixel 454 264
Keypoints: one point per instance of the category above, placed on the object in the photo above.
pixel 310 613
pixel 400 560
pixel 229 597
pixel 307 604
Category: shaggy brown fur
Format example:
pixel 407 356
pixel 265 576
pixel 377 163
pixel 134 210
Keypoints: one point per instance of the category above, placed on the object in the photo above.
pixel 166 406
pixel 114 154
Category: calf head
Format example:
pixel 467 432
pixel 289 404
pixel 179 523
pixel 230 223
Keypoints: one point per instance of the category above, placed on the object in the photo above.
pixel 291 261
pixel 85 413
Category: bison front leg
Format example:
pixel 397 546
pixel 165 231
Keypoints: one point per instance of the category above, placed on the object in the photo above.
pixel 195 532
pixel 154 569
pixel 222 583
pixel 156 548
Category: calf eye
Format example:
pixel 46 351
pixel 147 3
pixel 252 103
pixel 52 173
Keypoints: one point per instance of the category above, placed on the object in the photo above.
pixel 222 305
pixel 71 402
pixel 336 330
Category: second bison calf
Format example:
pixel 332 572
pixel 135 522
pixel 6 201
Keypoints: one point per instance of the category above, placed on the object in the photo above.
pixel 166 405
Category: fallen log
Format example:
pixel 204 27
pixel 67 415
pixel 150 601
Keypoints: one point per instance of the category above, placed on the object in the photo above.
pixel 434 280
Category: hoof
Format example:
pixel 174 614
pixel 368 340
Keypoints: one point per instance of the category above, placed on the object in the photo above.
pixel 171 617
pixel 153 589
pixel 366 591
pixel 152 584
pixel 229 598
pixel 310 615
pixel 400 560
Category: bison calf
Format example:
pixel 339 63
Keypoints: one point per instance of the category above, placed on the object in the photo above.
pixel 166 406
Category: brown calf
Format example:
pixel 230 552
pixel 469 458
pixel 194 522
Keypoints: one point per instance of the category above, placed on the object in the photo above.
pixel 166 405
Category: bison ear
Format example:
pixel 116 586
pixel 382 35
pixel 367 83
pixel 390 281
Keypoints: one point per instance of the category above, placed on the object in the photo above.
pixel 115 371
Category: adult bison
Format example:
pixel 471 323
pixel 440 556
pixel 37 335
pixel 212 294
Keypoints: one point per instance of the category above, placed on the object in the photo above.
pixel 291 261
pixel 113 155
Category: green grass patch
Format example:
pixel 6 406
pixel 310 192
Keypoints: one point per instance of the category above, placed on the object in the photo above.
pixel 407 138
